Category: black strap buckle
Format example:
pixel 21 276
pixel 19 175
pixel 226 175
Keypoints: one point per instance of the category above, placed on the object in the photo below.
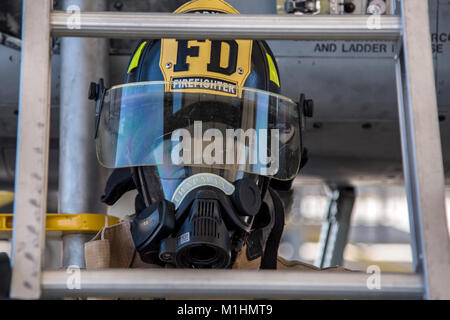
pixel 97 92
pixel 305 109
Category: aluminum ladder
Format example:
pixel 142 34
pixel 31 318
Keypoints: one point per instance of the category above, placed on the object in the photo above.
pixel 420 137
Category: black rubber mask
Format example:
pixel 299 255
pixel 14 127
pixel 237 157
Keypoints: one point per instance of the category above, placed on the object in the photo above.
pixel 207 229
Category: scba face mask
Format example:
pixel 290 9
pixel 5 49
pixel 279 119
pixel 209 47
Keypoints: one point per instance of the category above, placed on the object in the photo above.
pixel 200 130
pixel 206 230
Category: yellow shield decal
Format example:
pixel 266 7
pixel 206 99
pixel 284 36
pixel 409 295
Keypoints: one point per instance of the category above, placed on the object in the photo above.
pixel 206 66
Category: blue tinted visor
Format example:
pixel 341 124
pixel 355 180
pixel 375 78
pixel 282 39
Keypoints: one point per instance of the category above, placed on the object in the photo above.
pixel 255 132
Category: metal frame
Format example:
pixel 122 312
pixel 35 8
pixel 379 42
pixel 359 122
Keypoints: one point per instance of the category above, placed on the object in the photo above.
pixel 420 147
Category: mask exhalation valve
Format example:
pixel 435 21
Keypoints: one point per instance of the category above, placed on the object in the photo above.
pixel 203 239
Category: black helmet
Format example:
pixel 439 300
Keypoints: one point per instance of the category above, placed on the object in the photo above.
pixel 249 64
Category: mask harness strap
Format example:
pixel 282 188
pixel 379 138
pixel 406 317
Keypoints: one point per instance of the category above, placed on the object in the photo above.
pixel 270 255
pixel 119 182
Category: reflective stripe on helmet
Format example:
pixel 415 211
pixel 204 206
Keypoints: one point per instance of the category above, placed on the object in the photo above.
pixel 273 70
pixel 135 61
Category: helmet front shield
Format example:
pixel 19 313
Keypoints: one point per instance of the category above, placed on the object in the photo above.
pixel 254 131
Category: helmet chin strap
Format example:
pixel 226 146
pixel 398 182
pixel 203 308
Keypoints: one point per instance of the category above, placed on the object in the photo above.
pixel 264 240
pixel 270 255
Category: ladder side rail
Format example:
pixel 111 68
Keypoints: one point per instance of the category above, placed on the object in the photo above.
pixel 30 197
pixel 422 152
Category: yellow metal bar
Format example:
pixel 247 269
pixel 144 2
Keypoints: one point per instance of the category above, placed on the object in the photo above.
pixel 80 223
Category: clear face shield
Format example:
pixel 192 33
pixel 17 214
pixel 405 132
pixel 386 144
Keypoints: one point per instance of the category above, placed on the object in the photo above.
pixel 143 125
pixel 201 155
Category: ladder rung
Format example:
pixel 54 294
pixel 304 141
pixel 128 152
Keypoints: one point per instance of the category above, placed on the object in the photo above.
pixel 188 26
pixel 229 283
